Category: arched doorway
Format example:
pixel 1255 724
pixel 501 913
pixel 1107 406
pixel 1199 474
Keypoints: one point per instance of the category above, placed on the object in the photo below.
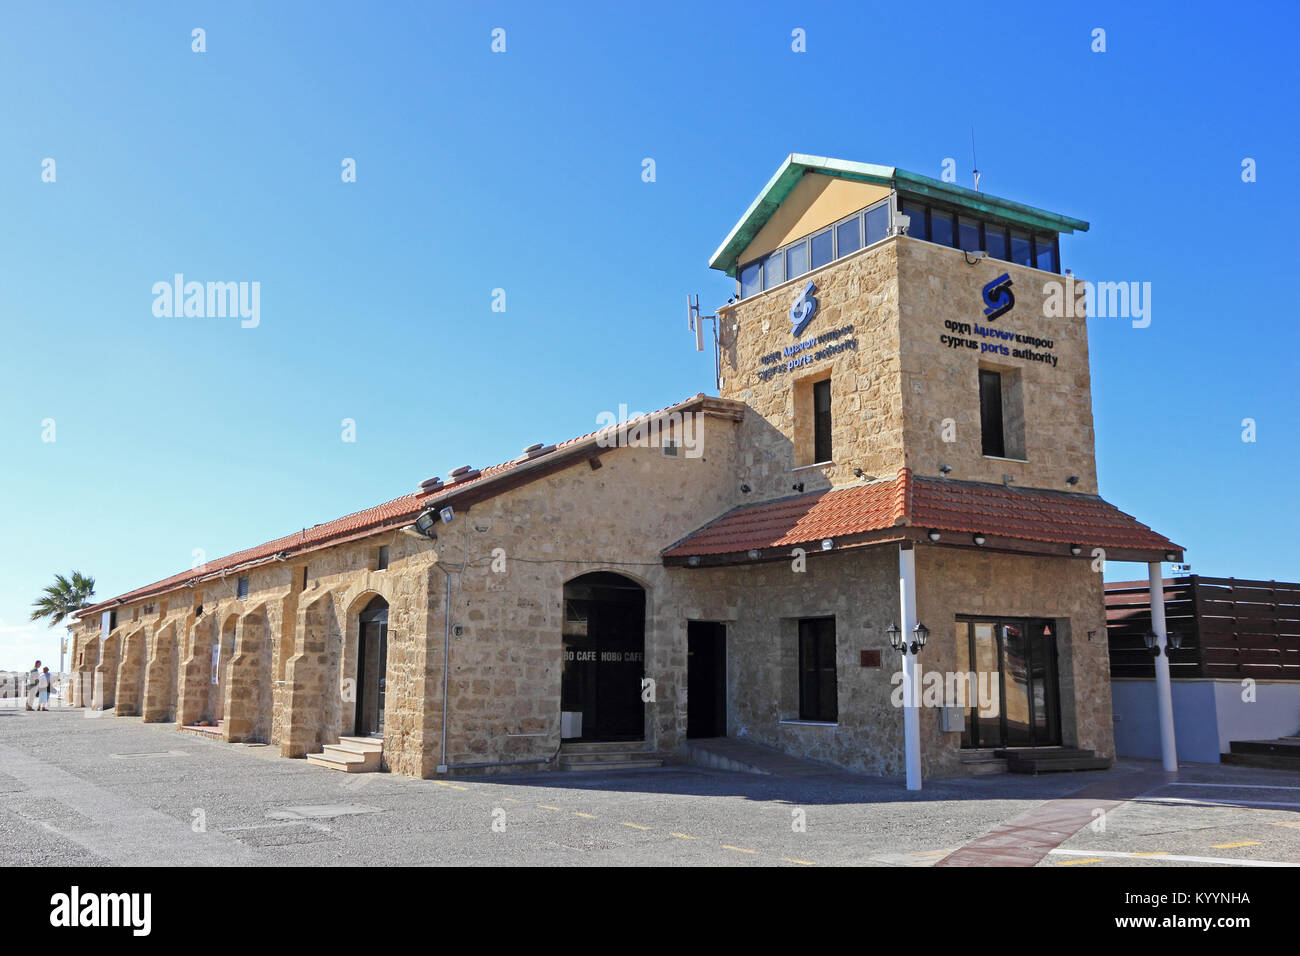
pixel 372 668
pixel 604 658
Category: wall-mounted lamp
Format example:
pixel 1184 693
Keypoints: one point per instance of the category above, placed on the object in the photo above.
pixel 693 560
pixel 1076 549
pixel 973 257
pixel 1072 480
pixel 426 523
pixel 744 489
pixel 945 469
pixel 1174 640
pixel 1151 642
pixel 1170 556
pixel 446 514
pixel 753 554
pixel 797 486
pixel 978 539
pixel 827 544
pixel 933 534
pixel 920 634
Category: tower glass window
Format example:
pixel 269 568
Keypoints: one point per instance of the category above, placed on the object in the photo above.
pixel 991 436
pixel 823 248
pixel 822 421
pixel 847 237
pixel 773 270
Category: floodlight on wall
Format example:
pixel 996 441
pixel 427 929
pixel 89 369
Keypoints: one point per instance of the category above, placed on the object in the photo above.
pixel 1076 549
pixel 978 539
pixel 693 560
pixel 1072 480
pixel 933 534
pixel 1170 556
pixel 426 523
pixel 827 544
pixel 945 469
pixel 753 554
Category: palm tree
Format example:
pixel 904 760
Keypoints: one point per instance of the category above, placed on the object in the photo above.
pixel 63 598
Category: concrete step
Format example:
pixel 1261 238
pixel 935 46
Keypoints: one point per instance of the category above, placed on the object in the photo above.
pixel 351 755
pixel 603 746
pixel 603 757
pixel 746 756
pixel 365 743
pixel 603 765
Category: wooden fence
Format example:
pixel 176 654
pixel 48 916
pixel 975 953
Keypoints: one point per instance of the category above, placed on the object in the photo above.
pixel 1230 628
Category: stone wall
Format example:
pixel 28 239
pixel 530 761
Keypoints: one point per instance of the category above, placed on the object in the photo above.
pixel 866 403
pixel 939 382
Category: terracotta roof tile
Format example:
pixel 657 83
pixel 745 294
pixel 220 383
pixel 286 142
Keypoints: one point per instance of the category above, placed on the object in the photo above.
pixel 1026 514
pixel 395 513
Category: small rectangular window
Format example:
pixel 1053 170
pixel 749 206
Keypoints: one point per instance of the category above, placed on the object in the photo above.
pixel 917 229
pixel 773 270
pixel 1045 253
pixel 877 223
pixel 241 588
pixel 1020 249
pixel 991 414
pixel 848 238
pixel 304 577
pixel 818 691
pixel 995 240
pixel 796 260
pixel 823 248
pixel 822 421
pixel 942 229
pixel 751 280
pixel 383 557
pixel 968 234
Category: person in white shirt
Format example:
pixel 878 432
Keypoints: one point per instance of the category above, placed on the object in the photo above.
pixel 43 685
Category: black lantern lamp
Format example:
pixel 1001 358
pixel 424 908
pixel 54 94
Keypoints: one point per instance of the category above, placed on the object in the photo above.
pixel 920 634
pixel 1174 640
pixel 1152 643
pixel 895 637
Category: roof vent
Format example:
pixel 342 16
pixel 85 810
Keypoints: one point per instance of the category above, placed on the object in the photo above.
pixel 464 473
pixel 430 485
pixel 535 451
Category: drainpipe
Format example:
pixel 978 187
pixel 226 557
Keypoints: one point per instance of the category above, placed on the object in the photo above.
pixel 1164 689
pixel 911 691
pixel 446 664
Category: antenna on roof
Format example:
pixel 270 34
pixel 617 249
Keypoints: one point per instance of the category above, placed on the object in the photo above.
pixel 695 322
pixel 975 166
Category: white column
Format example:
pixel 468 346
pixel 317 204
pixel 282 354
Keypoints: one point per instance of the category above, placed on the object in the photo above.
pixel 911 691
pixel 1164 690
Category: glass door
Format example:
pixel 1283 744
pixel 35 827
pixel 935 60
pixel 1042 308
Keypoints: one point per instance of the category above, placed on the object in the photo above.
pixel 1013 698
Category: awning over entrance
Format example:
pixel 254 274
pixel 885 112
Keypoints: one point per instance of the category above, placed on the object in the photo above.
pixel 1004 518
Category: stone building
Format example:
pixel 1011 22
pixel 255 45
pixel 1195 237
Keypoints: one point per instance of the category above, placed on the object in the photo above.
pixel 903 434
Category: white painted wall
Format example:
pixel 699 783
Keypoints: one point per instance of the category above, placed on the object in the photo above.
pixel 1208 715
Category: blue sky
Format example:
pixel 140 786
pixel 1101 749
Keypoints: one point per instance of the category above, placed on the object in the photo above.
pixel 522 171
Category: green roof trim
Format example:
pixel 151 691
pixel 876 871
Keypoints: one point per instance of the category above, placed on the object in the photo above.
pixel 797 165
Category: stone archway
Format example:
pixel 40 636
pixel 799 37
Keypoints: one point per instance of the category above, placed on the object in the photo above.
pixel 161 676
pixel 105 680
pixel 313 676
pixel 604 658
pixel 248 697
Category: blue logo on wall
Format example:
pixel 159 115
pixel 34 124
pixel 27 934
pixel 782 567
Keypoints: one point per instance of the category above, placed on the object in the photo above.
pixel 998 296
pixel 804 308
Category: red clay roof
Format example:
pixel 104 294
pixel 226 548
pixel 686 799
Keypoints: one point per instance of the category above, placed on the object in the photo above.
pixel 396 513
pixel 1025 514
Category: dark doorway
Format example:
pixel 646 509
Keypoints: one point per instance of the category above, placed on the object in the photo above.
pixel 706 679
pixel 604 658
pixel 372 668
pixel 1014 694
